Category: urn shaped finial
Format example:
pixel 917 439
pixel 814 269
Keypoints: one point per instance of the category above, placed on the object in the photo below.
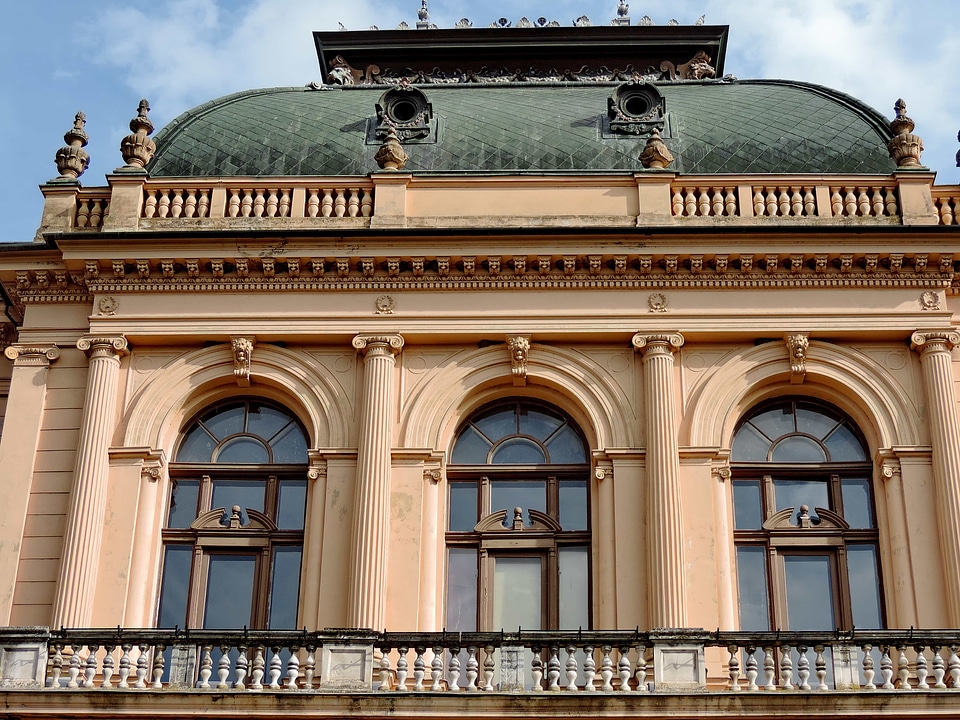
pixel 72 160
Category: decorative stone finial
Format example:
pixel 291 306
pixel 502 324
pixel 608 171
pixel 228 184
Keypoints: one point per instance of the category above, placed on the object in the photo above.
pixel 904 147
pixel 138 149
pixel 423 15
pixel 958 151
pixel 391 155
pixel 72 159
pixel 656 154
pixel 623 14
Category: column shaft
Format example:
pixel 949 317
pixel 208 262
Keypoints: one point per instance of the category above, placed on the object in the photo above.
pixel 665 555
pixel 82 539
pixel 371 521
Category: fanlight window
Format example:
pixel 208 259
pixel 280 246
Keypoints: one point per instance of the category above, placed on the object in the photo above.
pixel 245 432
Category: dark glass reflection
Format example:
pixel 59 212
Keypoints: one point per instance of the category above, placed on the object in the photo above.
pixel 291 504
pixel 244 449
pixel 285 588
pixel 518 451
pixel 463 507
pixel 810 600
pixel 177 560
pixel 183 503
pixel 225 421
pixel 538 424
pixel 507 495
pixel 573 505
pixel 566 448
pixel 229 600
pixel 197 446
pixel 798 449
pixel 248 494
pixel 498 424
pixel 462 590
pixel 747 511
pixel 471 448
pixel 290 445
pixel 864 586
pixel 749 445
pixel 794 493
pixel 752 583
pixel 857 508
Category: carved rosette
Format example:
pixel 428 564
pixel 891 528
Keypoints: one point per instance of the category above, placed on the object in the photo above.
pixel 138 149
pixel 32 355
pixel 519 347
pixel 391 155
pixel 797 346
pixel 72 160
pixel 905 147
pixel 242 359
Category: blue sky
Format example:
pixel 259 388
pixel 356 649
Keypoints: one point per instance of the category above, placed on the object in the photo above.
pixel 102 56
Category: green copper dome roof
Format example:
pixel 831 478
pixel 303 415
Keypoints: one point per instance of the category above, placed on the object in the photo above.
pixel 759 126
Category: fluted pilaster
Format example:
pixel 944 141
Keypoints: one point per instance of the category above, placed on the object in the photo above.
pixel 664 516
pixel 371 521
pixel 81 546
pixel 936 360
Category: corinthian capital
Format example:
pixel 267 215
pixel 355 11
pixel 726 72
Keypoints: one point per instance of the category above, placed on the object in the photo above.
pixel 98 345
pixel 389 343
pixel 32 355
pixel 933 340
pixel 644 342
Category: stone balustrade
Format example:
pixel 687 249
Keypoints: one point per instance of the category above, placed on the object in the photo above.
pixel 93 206
pixel 519 662
pixel 946 203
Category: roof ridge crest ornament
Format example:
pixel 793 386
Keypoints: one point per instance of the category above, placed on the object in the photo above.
pixel 904 147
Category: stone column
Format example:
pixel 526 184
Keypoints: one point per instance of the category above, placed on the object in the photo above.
pixel 18 450
pixel 371 507
pixel 81 543
pixel 664 516
pixel 936 360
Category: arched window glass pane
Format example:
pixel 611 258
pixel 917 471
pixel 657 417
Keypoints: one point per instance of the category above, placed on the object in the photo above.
pixel 798 449
pixel 794 493
pixel 518 451
pixel 537 423
pixel 290 446
pixel 815 422
pixel 749 445
pixel 243 449
pixel 197 446
pixel 248 494
pixel 844 446
pixel 566 447
pixel 471 448
pixel 508 494
pixel 265 421
pixel 498 423
pixel 226 421
pixel 775 422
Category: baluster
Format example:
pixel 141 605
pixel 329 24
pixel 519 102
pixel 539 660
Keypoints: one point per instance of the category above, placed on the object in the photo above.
pixel 73 671
pixel 402 669
pixel 718 202
pixel 96 212
pixel 677 203
pixel 258 667
pixel 821 666
pixel 246 205
pixel 419 668
pixel 158 651
pixel 384 669
pixel 436 669
pixel 758 207
pixel 259 203
pixel 536 669
pixel 922 671
pixel 772 204
pixel 56 666
pixel 293 668
pixel 142 667
pixel 623 668
pixel 938 670
pixel 868 671
pixel 553 669
pixel 453 669
pixel 203 203
pixel 223 668
pixel 606 669
pixel 353 206
pixel 863 202
pixel 784 204
pixel 891 201
pixel 489 668
pixel 733 669
pixel 283 209
pixel 309 667
pixel 796 202
pixel 276 668
pixel 190 204
pixel 108 666
pixel 326 208
pixel 150 205
pixel 83 214
pixel 163 209
pixel 176 205
pixel 313 204
pixel 273 202
pixel 809 203
pixel 751 666
pixel 473 668
pixel 877 202
pixel 572 668
pixel 803 667
pixel 689 202
pixel 366 205
pixel 233 207
pixel 90 670
pixel 903 666
pixel 850 203
pixel 641 669
pixel 836 202
pixel 206 667
pixel 730 202
pixel 242 666
pixel 886 668
pixel 340 203
pixel 769 669
pixel 589 669
pixel 953 667
pixel 786 668
pixel 948 216
pixel 703 203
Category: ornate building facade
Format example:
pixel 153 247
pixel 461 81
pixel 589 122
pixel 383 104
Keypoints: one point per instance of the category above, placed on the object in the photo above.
pixel 614 376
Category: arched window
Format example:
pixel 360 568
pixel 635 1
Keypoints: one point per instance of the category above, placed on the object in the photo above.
pixel 804 521
pixel 233 538
pixel 518 530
